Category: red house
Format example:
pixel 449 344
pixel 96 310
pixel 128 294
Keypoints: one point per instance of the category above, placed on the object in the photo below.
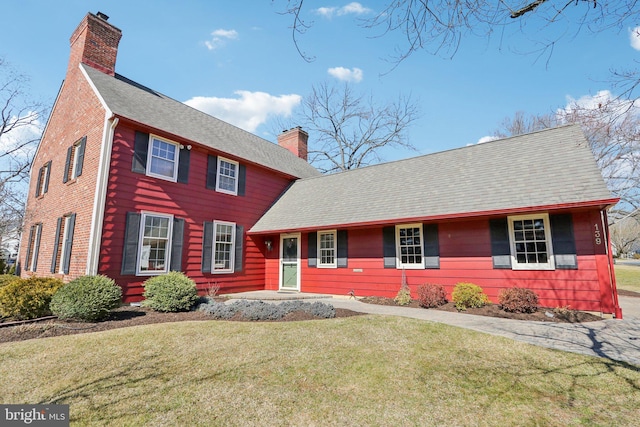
pixel 130 183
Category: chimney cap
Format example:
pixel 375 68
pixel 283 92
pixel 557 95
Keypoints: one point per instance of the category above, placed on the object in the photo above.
pixel 102 16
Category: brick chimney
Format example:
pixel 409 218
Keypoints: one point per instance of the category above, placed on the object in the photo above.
pixel 294 140
pixel 95 43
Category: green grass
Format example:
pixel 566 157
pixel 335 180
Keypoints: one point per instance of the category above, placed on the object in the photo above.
pixel 365 370
pixel 628 277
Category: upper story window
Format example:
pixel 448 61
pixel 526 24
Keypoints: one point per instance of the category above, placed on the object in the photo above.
pixel 227 180
pixel 42 185
pixel 155 243
pixel 530 240
pixel 162 161
pixel 409 246
pixel 327 249
pixel 75 160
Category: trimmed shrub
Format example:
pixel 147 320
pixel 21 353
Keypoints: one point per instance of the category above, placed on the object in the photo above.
pixel 170 292
pixel 468 295
pixel 403 297
pixel 431 295
pixel 88 298
pixel 260 310
pixel 518 300
pixel 28 298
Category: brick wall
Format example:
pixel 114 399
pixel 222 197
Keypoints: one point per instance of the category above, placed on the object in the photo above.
pixel 76 113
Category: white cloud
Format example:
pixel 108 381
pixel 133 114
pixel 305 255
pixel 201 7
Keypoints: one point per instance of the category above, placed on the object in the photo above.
pixel 249 110
pixel 353 8
pixel 619 107
pixel 345 74
pixel 487 139
pixel 634 38
pixel 220 37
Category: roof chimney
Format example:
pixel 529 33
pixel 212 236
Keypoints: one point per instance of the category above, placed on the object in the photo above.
pixel 294 140
pixel 95 43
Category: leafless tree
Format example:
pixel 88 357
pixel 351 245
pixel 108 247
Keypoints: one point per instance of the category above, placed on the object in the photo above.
pixel 440 26
pixel 625 234
pixel 20 130
pixel 611 126
pixel 348 130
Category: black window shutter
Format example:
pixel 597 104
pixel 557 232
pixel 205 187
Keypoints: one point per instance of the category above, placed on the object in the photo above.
pixel 28 259
pixel 80 156
pixel 67 165
pixel 500 246
pixel 55 245
pixel 183 166
pixel 131 238
pixel 237 267
pixel 389 246
pixel 212 171
pixel 46 178
pixel 36 246
pixel 564 243
pixel 39 183
pixel 431 246
pixel 312 255
pixel 242 179
pixel 207 246
pixel 342 249
pixel 140 148
pixel 68 243
pixel 177 242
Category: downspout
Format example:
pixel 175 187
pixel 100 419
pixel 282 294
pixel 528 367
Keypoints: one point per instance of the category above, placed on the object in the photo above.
pixel 610 265
pixel 102 181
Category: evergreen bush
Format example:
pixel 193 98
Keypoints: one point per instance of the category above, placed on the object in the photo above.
pixel 28 298
pixel 431 295
pixel 468 295
pixel 260 310
pixel 87 298
pixel 170 292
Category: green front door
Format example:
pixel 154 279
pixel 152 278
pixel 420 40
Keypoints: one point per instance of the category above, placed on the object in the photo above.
pixel 290 261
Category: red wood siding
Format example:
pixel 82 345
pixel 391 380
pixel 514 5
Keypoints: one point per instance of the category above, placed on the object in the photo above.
pixel 465 256
pixel 133 192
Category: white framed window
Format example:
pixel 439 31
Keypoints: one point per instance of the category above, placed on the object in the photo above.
pixel 162 158
pixel 409 246
pixel 327 246
pixel 530 239
pixel 154 248
pixel 224 238
pixel 42 184
pixel 33 247
pixel 227 179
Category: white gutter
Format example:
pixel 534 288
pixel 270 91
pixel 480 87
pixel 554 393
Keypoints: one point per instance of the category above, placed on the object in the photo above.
pixel 97 217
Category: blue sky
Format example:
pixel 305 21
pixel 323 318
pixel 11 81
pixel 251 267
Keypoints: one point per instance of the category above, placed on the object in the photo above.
pixel 237 61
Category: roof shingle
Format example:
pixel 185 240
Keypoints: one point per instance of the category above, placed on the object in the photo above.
pixel 547 168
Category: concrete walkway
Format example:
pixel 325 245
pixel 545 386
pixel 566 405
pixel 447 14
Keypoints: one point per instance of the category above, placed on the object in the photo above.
pixel 610 338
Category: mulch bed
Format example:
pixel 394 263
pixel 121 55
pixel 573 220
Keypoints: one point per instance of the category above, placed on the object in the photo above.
pixel 124 317
pixel 493 310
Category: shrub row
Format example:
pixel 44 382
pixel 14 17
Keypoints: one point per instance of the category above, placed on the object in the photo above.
pixel 260 310
pixel 468 295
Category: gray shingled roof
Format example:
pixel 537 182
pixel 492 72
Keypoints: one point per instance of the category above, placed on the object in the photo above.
pixel 133 101
pixel 546 168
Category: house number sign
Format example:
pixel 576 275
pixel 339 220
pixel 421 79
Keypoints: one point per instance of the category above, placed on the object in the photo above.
pixel 597 234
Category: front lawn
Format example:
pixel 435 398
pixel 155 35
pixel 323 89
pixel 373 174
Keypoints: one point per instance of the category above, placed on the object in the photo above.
pixel 628 277
pixel 363 370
